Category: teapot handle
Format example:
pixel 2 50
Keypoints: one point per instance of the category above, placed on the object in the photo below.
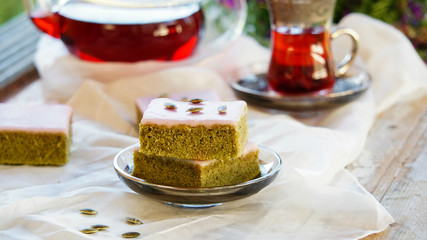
pixel 42 13
pixel 231 20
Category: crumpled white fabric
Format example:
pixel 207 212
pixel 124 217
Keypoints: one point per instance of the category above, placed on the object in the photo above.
pixel 314 197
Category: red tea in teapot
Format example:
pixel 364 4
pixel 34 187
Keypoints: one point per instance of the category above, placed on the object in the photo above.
pixel 301 61
pixel 105 33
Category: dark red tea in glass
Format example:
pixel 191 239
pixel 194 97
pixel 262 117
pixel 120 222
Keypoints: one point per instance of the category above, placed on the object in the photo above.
pixel 300 62
pixel 301 59
pixel 135 30
pixel 104 33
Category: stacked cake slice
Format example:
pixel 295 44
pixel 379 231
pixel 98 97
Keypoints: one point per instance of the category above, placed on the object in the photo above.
pixel 195 144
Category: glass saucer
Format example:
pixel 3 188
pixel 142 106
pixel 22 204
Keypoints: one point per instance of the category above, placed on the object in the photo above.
pixel 269 162
pixel 250 83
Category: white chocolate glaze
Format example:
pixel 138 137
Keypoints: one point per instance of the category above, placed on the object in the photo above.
pixel 35 118
pixel 208 95
pixel 158 114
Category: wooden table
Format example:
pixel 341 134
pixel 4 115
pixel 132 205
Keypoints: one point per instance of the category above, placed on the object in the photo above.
pixel 398 180
pixel 396 174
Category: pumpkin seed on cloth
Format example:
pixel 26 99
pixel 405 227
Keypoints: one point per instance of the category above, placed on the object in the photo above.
pixel 131 234
pixel 100 227
pixel 88 211
pixel 89 230
pixel 134 221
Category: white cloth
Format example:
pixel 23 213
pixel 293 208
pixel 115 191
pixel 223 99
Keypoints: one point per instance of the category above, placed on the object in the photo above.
pixel 314 197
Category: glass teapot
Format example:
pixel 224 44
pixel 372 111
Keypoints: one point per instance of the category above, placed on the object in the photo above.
pixel 136 30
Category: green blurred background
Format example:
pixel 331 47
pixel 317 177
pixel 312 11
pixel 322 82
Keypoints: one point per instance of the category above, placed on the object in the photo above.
pixel 9 9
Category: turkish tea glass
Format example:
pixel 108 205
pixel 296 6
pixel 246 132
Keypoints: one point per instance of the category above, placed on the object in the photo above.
pixel 301 60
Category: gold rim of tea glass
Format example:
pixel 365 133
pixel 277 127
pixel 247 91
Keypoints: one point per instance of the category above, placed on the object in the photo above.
pixel 344 64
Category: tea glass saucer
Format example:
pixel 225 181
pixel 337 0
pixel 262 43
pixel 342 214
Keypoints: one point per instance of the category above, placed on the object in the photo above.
pixel 269 163
pixel 250 83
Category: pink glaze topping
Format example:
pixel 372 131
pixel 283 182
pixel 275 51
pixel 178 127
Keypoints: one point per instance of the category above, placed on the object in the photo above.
pixel 35 118
pixel 208 95
pixel 158 114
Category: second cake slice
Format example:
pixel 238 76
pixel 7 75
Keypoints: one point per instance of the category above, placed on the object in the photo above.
pixel 194 173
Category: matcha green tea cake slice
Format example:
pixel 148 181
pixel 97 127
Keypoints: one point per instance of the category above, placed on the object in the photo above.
pixel 195 173
pixel 195 129
pixel 34 134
